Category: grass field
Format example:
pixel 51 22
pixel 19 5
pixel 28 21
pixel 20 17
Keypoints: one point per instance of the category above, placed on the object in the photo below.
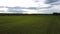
pixel 30 24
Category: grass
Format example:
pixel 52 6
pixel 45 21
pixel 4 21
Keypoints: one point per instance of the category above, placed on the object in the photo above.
pixel 30 24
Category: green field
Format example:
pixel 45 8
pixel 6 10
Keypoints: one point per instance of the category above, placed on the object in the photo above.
pixel 30 24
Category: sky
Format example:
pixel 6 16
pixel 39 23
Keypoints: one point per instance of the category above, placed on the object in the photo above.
pixel 32 3
pixel 22 3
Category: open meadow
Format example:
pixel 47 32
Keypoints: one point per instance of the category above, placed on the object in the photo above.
pixel 30 24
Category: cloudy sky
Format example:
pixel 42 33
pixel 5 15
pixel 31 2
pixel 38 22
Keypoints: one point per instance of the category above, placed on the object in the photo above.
pixel 44 4
pixel 26 3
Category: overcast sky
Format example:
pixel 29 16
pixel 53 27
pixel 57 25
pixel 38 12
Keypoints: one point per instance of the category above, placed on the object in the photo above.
pixel 21 3
pixel 30 3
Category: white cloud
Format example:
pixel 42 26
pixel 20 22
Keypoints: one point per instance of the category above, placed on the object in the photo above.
pixel 17 3
pixel 31 3
pixel 22 3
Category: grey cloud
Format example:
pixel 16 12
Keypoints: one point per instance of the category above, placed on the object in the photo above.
pixel 50 1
